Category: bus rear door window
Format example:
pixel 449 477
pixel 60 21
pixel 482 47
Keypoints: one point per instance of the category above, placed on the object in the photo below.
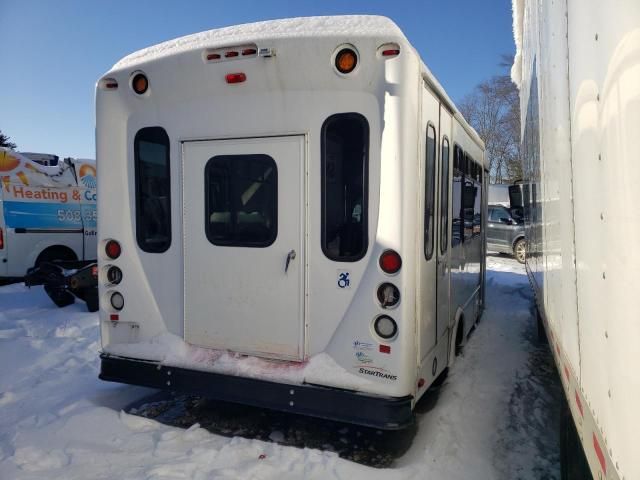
pixel 241 195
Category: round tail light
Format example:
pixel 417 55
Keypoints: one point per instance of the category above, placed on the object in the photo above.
pixel 385 327
pixel 346 60
pixel 390 262
pixel 117 300
pixel 388 295
pixel 114 275
pixel 112 249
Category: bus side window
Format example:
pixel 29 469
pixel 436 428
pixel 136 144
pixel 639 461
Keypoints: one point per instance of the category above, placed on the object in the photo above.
pixel 468 197
pixel 477 207
pixel 456 196
pixel 430 194
pixel 344 164
pixel 153 189
pixel 444 197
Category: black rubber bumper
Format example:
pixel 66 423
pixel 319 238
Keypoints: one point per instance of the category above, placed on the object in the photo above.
pixel 385 413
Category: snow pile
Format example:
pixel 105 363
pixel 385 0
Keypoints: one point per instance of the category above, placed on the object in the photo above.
pixel 58 421
pixel 352 26
pixel 518 29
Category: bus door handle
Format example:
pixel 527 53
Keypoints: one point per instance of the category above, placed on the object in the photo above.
pixel 290 256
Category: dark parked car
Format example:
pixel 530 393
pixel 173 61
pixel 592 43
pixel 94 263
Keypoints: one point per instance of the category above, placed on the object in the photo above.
pixel 505 232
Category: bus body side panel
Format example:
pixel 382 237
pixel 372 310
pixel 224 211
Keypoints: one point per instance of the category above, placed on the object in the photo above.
pixel 467 247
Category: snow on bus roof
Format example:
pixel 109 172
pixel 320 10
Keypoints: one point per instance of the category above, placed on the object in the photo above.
pixel 303 27
pixel 326 26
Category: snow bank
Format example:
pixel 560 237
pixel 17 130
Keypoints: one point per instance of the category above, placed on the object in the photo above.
pixel 58 421
pixel 348 25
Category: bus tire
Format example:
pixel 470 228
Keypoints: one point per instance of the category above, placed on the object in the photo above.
pixel 57 252
pixel 573 462
pixel 460 337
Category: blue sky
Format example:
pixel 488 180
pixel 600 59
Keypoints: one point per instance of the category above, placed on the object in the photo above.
pixel 52 52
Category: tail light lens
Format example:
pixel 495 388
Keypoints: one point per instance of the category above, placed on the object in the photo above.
pixel 1 239
pixel 388 295
pixel 112 249
pixel 390 262
pixel 385 327
pixel 235 77
pixel 114 275
pixel 117 301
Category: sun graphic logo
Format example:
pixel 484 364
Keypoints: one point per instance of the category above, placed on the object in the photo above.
pixel 88 176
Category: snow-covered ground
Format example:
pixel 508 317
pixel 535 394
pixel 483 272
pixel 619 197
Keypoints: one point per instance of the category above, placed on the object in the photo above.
pixel 495 416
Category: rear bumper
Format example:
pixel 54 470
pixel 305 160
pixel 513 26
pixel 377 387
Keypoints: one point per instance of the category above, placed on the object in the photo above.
pixel 386 413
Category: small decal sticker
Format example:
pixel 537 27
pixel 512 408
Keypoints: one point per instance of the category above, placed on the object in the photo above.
pixel 343 279
pixel 363 357
pixel 359 345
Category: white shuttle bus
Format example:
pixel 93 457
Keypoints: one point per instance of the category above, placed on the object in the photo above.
pixel 578 69
pixel 291 215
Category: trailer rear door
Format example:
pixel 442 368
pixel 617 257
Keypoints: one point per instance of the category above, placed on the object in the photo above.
pixel 243 214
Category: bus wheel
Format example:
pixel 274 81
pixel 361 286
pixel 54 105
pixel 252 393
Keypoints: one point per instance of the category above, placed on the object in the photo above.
pixel 459 337
pixel 573 462
pixel 520 250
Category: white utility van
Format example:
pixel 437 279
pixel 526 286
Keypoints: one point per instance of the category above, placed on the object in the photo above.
pixel 46 212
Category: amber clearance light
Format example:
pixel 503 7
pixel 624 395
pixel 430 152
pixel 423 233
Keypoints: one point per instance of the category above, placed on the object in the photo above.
pixel 346 60
pixel 140 83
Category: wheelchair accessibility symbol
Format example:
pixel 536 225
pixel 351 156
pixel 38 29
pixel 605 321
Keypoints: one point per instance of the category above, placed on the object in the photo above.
pixel 343 279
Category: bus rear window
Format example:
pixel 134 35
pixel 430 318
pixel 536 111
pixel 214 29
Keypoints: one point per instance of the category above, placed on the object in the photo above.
pixel 153 190
pixel 345 158
pixel 241 193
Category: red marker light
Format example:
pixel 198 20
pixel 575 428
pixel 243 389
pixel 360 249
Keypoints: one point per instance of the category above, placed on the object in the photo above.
pixel 112 249
pixel 213 56
pixel 249 51
pixel 111 85
pixel 236 77
pixel 231 54
pixel 390 262
pixel 385 349
pixel 114 317
pixel 390 52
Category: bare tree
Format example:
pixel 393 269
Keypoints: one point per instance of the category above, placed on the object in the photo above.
pixel 493 109
pixel 5 141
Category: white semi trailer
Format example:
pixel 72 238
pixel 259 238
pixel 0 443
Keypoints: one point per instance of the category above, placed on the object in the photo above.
pixel 578 70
